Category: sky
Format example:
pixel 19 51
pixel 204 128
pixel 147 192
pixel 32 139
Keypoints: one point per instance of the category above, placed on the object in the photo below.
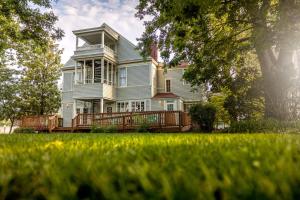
pixel 80 14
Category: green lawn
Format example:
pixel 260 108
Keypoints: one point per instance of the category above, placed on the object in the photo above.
pixel 152 166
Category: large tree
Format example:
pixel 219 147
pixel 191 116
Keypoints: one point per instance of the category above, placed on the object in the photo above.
pixel 23 21
pixel 215 35
pixel 39 82
pixel 9 91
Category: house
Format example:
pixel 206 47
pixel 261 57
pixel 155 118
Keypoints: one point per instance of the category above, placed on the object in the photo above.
pixel 107 74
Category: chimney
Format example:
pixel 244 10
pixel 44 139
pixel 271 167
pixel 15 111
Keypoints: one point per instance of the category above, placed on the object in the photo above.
pixel 154 50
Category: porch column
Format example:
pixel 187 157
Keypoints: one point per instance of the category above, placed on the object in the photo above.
pixel 101 105
pixel 76 42
pixel 102 70
pixel 107 72
pixel 102 40
pixel 93 69
pixel 84 72
pixel 74 108
pixel 75 78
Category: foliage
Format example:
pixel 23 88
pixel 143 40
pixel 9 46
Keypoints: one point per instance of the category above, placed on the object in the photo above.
pixel 217 100
pixel 264 126
pixel 97 129
pixel 107 129
pixel 143 127
pixel 39 88
pixel 9 91
pixel 143 166
pixel 26 21
pixel 204 115
pixel 215 37
pixel 24 130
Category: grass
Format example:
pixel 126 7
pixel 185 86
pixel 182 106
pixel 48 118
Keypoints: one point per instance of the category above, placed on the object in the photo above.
pixel 159 166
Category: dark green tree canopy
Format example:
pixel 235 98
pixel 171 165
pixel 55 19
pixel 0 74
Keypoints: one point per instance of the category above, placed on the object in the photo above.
pixel 214 36
pixel 23 20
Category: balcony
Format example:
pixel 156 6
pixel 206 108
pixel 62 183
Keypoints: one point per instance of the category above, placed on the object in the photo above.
pixel 94 50
pixel 94 91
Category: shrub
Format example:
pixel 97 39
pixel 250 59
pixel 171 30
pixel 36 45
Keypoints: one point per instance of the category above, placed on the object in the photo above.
pixel 24 130
pixel 263 126
pixel 143 128
pixel 204 115
pixel 97 129
pixel 111 129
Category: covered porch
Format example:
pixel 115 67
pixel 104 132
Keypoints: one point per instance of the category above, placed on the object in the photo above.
pixel 93 106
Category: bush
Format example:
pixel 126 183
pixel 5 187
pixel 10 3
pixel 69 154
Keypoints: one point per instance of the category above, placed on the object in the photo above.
pixel 97 129
pixel 111 129
pixel 108 129
pixel 143 128
pixel 204 115
pixel 24 130
pixel 263 126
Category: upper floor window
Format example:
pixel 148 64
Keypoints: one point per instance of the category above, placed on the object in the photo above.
pixel 122 77
pixel 168 85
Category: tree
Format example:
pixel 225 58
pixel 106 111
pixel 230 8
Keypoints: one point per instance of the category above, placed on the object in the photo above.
pixel 41 71
pixel 215 35
pixel 23 21
pixel 204 115
pixel 9 92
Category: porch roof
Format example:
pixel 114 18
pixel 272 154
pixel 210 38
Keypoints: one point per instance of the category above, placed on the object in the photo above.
pixel 165 95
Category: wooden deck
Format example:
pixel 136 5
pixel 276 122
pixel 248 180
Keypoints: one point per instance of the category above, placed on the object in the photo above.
pixel 123 121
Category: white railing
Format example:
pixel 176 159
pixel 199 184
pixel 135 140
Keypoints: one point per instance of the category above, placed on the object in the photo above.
pixel 95 47
pixel 89 47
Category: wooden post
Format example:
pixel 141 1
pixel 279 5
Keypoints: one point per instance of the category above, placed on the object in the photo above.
pixel 180 120
pixel 123 123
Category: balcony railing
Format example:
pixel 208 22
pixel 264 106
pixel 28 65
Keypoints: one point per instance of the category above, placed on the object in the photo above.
pixel 95 47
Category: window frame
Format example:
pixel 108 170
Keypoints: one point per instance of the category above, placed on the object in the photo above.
pixel 166 85
pixel 119 77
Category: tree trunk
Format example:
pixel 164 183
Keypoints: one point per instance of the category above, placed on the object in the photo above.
pixel 11 125
pixel 277 76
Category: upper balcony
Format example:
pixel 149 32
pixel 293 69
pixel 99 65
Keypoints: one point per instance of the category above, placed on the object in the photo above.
pixel 99 41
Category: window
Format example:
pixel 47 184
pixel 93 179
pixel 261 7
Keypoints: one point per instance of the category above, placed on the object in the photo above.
pixel 168 85
pixel 97 71
pixel 122 77
pixel 131 106
pixel 170 105
pixel 105 71
pixel 88 71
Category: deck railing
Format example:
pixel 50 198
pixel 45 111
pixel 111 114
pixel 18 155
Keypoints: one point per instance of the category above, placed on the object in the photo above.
pixel 40 122
pixel 132 120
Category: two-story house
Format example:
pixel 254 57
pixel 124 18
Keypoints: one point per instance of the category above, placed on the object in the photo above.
pixel 107 74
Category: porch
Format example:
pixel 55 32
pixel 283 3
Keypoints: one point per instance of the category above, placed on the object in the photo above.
pixel 123 121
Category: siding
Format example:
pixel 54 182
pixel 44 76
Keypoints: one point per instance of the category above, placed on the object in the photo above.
pixel 67 81
pixel 67 96
pixel 156 105
pixel 139 92
pixel 67 114
pixel 138 75
pixel 177 86
pixel 88 91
